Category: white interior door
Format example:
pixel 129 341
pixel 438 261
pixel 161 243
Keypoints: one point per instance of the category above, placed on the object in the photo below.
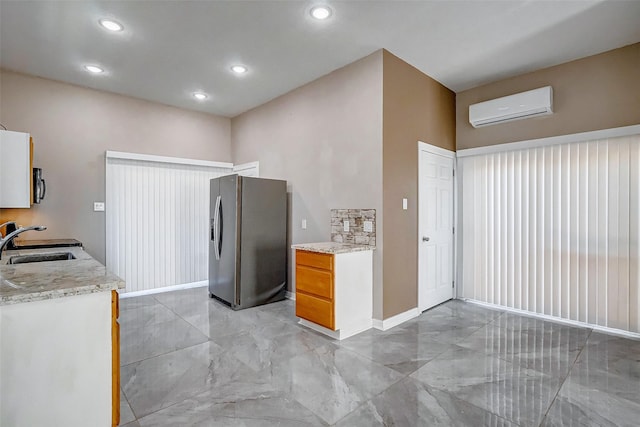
pixel 436 215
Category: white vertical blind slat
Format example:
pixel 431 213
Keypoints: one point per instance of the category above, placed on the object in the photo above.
pixel 517 235
pixel 613 236
pixel 634 235
pixel 623 238
pixel 510 231
pixel 547 276
pixel 574 216
pixel 555 230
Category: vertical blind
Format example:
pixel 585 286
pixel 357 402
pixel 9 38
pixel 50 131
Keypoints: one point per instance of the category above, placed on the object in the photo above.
pixel 157 222
pixel 554 230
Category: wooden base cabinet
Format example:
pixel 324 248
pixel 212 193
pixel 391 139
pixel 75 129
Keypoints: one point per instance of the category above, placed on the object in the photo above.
pixel 115 359
pixel 334 292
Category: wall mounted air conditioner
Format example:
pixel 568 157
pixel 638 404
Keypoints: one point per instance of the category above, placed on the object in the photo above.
pixel 532 103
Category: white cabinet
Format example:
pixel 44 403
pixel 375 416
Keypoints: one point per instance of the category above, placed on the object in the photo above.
pixel 57 362
pixel 15 170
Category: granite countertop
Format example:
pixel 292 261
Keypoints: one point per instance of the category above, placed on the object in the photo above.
pixel 332 247
pixel 54 279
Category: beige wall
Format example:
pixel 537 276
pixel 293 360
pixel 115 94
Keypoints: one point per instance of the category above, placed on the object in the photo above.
pixel 598 92
pixel 325 139
pixel 415 108
pixel 72 127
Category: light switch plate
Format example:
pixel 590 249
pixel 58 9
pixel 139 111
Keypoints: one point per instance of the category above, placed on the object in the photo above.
pixel 304 224
pixel 368 226
pixel 346 226
pixel 404 204
pixel 98 206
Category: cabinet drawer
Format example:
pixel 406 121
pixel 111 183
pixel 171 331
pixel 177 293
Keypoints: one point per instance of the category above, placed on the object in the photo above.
pixel 314 259
pixel 315 310
pixel 314 281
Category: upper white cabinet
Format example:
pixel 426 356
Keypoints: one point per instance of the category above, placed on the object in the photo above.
pixel 15 170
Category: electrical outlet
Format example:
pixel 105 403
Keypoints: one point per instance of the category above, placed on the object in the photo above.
pixel 346 226
pixel 404 204
pixel 304 224
pixel 98 206
pixel 368 226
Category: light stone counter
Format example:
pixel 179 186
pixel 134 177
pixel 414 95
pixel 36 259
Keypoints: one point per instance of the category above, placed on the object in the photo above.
pixel 54 279
pixel 332 247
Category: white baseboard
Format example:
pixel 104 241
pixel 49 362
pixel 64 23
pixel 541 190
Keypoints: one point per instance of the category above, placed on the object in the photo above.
pixel 340 334
pixel 605 329
pixel 290 295
pixel 200 284
pixel 392 321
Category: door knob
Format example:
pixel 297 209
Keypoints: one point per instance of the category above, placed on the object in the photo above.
pixel 425 239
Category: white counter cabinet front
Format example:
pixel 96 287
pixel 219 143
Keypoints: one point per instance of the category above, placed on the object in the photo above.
pixel 334 288
pixel 59 347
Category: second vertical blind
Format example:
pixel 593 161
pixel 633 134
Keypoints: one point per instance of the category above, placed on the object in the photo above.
pixel 554 230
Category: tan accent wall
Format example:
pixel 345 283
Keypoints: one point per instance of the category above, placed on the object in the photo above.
pixel 597 92
pixel 325 139
pixel 72 127
pixel 415 108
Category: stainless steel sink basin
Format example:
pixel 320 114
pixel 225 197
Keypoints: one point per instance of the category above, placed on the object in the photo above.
pixel 57 256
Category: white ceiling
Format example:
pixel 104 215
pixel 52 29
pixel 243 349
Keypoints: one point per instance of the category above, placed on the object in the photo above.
pixel 170 49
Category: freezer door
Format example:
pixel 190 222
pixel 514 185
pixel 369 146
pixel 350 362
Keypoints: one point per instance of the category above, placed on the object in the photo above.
pixel 222 238
pixel 263 241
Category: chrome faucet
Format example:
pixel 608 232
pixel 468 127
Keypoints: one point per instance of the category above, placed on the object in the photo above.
pixel 6 224
pixel 6 239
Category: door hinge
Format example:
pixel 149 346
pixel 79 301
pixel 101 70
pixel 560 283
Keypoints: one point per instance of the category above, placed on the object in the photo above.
pixel 454 230
pixel 453 284
pixel 454 172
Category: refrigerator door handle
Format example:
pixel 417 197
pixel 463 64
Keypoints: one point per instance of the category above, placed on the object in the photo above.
pixel 216 228
pixel 43 189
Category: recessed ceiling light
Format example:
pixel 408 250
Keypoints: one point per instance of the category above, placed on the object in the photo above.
pixel 239 69
pixel 93 69
pixel 320 12
pixel 200 96
pixel 111 25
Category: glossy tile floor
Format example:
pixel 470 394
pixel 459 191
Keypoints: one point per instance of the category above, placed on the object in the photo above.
pixel 190 361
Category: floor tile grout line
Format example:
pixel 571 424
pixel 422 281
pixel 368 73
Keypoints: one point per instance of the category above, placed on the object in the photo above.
pixel 292 397
pixel 402 373
pixel 174 312
pixel 208 299
pixel 368 400
pixel 192 394
pixel 209 339
pixel 168 406
pixel 446 391
pixel 167 352
pixel 453 396
pixel 427 385
pixel 565 378
pixel 135 417
pixel 361 403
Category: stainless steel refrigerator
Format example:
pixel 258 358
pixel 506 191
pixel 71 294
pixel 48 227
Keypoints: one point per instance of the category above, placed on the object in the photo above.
pixel 247 241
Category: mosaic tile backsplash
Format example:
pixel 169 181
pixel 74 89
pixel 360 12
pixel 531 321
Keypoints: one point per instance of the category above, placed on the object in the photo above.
pixel 356 233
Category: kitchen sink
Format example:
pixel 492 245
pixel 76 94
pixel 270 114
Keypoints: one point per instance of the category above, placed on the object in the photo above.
pixel 57 256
